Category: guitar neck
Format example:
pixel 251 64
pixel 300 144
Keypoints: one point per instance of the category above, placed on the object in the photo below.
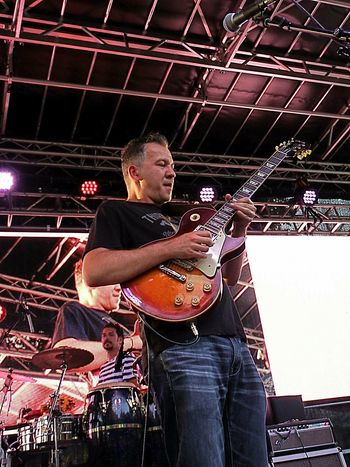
pixel 224 215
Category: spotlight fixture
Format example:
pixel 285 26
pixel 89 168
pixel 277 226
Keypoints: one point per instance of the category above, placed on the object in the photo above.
pixel 3 313
pixel 208 194
pixel 89 188
pixel 7 180
pixel 309 196
pixel 304 194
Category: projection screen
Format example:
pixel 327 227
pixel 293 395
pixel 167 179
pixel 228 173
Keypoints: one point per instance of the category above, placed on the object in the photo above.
pixel 302 285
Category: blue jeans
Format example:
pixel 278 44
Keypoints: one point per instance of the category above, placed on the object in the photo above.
pixel 212 404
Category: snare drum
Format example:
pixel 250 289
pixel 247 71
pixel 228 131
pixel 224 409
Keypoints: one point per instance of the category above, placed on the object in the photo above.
pixel 113 422
pixel 26 437
pixel 69 428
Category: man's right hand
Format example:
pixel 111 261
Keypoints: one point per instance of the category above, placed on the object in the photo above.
pixel 189 245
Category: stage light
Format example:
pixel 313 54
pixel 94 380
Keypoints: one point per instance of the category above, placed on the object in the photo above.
pixel 3 313
pixel 304 194
pixel 7 180
pixel 208 194
pixel 310 197
pixel 89 188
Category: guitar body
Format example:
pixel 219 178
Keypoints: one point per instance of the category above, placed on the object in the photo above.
pixel 181 290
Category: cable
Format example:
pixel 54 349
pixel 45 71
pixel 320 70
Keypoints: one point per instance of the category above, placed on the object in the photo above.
pixel 193 329
pixel 147 381
pixel 303 446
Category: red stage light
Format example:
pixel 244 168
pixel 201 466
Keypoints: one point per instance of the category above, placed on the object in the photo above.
pixel 3 313
pixel 89 188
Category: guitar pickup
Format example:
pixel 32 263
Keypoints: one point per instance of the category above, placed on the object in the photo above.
pixel 174 274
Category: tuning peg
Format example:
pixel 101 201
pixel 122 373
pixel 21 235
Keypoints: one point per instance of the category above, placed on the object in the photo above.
pixel 303 154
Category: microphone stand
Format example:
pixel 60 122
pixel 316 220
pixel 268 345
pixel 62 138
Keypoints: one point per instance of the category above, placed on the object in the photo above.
pixel 28 314
pixel 340 36
pixel 53 417
pixel 24 311
pixel 6 389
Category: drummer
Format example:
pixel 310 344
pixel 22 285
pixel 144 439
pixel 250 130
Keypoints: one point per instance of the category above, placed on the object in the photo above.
pixel 121 365
pixel 79 324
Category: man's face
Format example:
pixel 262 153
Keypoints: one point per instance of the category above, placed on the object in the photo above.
pixel 110 340
pixel 106 297
pixel 156 174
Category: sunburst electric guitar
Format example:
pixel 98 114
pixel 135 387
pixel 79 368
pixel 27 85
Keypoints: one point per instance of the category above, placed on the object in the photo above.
pixel 181 290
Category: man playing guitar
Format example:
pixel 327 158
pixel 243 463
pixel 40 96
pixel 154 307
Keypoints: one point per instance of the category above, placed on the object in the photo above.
pixel 210 396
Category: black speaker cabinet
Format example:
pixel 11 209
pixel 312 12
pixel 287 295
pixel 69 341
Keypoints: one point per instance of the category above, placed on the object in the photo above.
pixel 331 457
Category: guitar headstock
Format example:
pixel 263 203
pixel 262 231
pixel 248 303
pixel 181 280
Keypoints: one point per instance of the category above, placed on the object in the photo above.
pixel 297 148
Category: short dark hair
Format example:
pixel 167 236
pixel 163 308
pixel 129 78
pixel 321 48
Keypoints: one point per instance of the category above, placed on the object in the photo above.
pixel 117 328
pixel 134 151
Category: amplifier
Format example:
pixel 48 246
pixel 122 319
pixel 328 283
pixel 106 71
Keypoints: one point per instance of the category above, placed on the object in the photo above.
pixel 331 457
pixel 300 435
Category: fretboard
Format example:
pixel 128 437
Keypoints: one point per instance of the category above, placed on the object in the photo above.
pixel 224 215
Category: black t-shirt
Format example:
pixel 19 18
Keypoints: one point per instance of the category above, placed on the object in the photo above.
pixel 126 225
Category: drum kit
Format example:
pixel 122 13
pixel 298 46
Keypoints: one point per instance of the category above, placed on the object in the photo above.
pixel 119 426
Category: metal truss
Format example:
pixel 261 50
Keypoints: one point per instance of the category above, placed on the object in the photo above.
pixel 22 345
pixel 42 154
pixel 88 37
pixel 35 214
pixel 38 295
pixel 223 54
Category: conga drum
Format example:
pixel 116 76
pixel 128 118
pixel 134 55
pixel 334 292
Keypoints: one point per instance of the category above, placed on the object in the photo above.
pixel 113 424
pixel 155 455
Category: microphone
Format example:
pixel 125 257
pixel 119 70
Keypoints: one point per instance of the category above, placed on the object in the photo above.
pixel 233 21
pixel 110 320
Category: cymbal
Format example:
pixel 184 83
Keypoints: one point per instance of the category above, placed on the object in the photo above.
pixel 17 377
pixel 55 358
pixel 32 414
pixel 95 348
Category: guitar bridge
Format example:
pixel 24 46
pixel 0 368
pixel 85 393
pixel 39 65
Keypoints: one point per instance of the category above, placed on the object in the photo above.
pixel 174 274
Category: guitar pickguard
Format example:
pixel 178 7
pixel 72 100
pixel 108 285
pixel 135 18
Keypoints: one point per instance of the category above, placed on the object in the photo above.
pixel 209 265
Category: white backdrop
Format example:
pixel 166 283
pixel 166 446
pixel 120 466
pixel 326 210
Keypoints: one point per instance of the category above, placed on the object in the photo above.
pixel 302 284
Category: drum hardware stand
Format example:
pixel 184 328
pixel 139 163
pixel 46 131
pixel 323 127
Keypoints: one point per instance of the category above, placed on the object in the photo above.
pixel 52 420
pixel 7 389
pixel 104 405
pixel 3 457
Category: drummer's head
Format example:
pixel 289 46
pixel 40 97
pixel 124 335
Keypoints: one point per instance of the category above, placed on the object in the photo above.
pixel 105 298
pixel 112 339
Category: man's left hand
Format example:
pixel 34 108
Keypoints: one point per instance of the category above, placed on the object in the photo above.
pixel 245 213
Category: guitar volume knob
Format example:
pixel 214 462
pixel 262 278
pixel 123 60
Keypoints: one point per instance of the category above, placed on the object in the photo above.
pixel 195 301
pixel 179 300
pixel 207 287
pixel 189 286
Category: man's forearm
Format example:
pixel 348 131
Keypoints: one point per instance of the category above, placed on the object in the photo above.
pixel 231 270
pixel 102 266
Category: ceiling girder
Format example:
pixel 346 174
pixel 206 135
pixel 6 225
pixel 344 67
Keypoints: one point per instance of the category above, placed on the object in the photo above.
pixel 182 99
pixel 197 54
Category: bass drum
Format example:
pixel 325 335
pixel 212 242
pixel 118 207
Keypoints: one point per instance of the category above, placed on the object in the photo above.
pixel 113 423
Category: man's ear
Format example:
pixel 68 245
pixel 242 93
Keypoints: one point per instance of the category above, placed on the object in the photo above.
pixel 134 173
